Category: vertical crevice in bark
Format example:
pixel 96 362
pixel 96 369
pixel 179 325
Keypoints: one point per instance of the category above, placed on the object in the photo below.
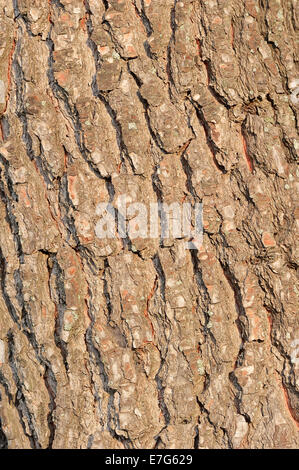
pixel 60 302
pixel 26 417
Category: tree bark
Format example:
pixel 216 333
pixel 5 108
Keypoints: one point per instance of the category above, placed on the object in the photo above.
pixel 140 342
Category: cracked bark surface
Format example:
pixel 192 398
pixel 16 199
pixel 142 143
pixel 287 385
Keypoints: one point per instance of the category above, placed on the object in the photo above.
pixel 141 343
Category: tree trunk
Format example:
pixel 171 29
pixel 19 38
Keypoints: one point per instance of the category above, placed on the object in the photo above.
pixel 138 341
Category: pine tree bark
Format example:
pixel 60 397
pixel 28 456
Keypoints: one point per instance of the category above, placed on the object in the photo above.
pixel 140 343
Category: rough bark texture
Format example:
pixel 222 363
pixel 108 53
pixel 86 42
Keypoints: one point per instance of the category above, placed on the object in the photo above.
pixel 144 344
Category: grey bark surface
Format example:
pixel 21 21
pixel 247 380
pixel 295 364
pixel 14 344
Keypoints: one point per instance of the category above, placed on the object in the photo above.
pixel 142 343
